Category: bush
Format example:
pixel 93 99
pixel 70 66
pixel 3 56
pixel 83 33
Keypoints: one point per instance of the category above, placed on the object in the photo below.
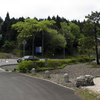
pixel 74 60
pixel 68 61
pixel 81 60
pixel 54 64
pixel 92 59
pixel 27 65
pixel 40 63
pixel 86 59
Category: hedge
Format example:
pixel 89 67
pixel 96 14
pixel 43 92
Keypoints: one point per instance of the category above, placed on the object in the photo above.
pixel 28 65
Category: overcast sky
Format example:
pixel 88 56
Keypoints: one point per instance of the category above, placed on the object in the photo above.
pixel 69 9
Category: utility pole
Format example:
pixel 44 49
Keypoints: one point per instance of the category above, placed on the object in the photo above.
pixel 42 42
pixel 24 43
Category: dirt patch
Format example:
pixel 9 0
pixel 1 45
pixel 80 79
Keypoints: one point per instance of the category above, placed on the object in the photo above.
pixel 73 71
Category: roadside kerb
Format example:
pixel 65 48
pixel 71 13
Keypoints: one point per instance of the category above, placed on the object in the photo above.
pixel 7 65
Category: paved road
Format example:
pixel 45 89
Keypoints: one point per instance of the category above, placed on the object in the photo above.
pixel 14 86
pixel 9 67
pixel 9 64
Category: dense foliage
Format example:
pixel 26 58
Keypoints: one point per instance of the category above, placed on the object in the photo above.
pixel 51 64
pixel 27 65
pixel 62 35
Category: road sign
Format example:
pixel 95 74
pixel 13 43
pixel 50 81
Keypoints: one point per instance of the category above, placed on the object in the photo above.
pixel 38 49
pixel 24 42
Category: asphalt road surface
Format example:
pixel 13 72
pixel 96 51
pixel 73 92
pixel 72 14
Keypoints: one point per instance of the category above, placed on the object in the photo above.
pixel 9 67
pixel 14 86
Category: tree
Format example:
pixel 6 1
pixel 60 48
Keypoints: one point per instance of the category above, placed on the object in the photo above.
pixel 87 43
pixel 75 30
pixel 8 46
pixel 56 41
pixel 66 32
pixel 88 29
pixel 95 18
pixel 31 27
pixel 1 22
pixel 7 17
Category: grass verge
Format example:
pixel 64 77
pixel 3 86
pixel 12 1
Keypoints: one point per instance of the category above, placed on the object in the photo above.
pixel 87 94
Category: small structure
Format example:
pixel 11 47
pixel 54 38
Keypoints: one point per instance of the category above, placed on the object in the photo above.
pixel 33 71
pixel 66 77
pixel 47 74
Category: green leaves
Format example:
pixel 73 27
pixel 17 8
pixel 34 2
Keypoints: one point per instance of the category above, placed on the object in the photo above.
pixel 31 26
pixel 58 40
pixel 94 17
pixel 88 29
pixel 8 46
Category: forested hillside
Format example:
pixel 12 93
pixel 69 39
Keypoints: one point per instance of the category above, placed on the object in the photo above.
pixel 63 37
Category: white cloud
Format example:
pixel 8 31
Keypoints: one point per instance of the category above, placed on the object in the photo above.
pixel 69 9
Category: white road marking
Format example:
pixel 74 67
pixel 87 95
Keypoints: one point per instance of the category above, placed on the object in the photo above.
pixel 2 69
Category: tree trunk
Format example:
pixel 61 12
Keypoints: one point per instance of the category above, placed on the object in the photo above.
pixel 96 45
pixel 33 47
pixel 89 58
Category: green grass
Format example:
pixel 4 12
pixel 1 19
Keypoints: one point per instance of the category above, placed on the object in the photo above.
pixel 6 70
pixel 87 94
pixel 2 55
pixel 94 65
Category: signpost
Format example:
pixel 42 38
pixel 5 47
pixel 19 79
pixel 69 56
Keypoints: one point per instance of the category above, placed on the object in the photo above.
pixel 39 49
pixel 24 43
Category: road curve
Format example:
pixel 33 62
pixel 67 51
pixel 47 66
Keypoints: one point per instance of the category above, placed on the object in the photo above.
pixel 14 86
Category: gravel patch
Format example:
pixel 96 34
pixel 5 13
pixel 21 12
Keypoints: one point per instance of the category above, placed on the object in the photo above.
pixel 73 71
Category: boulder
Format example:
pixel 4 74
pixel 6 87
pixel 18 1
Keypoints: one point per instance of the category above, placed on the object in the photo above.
pixel 94 62
pixel 86 80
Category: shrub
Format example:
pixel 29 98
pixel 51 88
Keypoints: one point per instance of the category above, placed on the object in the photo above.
pixel 92 59
pixel 54 64
pixel 74 60
pixel 69 61
pixel 40 63
pixel 86 59
pixel 27 65
pixel 81 60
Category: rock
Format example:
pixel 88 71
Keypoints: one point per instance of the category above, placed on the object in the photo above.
pixel 66 77
pixel 33 71
pixel 47 74
pixel 86 80
pixel 94 62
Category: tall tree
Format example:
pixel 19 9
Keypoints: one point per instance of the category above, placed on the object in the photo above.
pixel 55 41
pixel 95 18
pixel 1 22
pixel 75 30
pixel 87 43
pixel 66 32
pixel 7 17
pixel 30 27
